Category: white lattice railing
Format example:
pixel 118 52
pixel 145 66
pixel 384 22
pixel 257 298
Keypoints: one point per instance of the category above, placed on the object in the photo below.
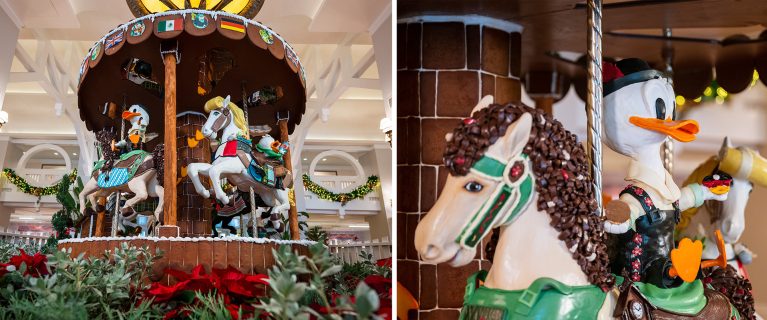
pixel 350 252
pixel 18 238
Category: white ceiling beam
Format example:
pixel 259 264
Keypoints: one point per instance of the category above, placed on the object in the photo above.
pixel 24 57
pixel 25 77
pixel 34 142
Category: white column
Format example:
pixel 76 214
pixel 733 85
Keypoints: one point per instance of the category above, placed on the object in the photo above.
pixel 381 33
pixel 8 38
pixel 5 212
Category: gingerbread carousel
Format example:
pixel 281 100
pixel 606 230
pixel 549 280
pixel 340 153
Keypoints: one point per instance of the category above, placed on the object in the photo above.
pixel 522 207
pixel 192 107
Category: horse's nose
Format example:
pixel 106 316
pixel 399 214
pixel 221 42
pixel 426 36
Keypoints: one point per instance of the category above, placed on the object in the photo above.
pixel 431 252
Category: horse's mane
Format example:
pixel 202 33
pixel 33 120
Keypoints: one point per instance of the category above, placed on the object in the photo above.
pixel 239 115
pixel 697 175
pixel 104 137
pixel 562 177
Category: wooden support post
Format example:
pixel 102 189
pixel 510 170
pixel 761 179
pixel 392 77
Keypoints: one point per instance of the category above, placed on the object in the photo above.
pixel 169 181
pixel 101 203
pixel 295 233
pixel 546 104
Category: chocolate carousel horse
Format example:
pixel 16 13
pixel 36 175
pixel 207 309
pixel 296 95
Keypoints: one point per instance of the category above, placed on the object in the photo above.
pixel 517 168
pixel 234 162
pixel 747 168
pixel 137 172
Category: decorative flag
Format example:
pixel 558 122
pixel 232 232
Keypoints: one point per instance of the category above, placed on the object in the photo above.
pixel 199 20
pixel 266 36
pixel 95 51
pixel 114 40
pixel 170 25
pixel 232 24
pixel 137 29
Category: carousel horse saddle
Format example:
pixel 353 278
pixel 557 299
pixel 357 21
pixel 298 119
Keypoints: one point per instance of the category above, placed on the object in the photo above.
pixel 545 298
pixel 688 301
pixel 129 165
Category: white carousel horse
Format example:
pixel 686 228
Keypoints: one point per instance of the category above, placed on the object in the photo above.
pixel 227 118
pixel 533 182
pixel 747 168
pixel 135 172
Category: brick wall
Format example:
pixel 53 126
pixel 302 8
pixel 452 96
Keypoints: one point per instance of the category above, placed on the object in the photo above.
pixel 194 212
pixel 443 70
pixel 246 256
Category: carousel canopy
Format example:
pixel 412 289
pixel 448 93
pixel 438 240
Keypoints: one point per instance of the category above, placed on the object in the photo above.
pixel 245 8
pixel 219 54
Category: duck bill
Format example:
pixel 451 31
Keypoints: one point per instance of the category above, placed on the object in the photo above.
pixel 683 131
pixel 127 115
pixel 134 138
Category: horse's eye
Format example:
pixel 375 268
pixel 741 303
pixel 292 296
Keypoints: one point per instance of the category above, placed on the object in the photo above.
pixel 473 186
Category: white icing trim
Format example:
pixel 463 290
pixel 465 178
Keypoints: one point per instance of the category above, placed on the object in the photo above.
pixel 195 239
pixel 471 19
pixel 213 14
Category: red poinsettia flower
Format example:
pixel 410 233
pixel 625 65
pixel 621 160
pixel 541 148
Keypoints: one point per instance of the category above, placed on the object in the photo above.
pixel 36 265
pixel 236 289
pixel 382 286
pixel 384 262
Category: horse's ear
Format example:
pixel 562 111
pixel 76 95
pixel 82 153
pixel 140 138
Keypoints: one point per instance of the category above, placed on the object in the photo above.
pixel 726 144
pixel 514 141
pixel 484 103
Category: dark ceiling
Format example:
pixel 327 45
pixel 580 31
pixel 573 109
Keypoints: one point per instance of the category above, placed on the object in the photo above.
pixel 560 25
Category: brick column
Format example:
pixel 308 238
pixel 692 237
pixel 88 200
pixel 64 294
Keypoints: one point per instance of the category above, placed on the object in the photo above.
pixel 444 68
pixel 194 212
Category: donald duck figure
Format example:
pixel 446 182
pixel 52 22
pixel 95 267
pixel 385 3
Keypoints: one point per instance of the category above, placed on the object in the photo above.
pixel 139 120
pixel 639 113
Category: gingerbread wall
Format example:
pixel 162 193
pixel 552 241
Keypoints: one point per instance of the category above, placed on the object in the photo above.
pixel 194 212
pixel 444 68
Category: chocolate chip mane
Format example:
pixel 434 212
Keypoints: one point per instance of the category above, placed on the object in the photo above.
pixel 562 179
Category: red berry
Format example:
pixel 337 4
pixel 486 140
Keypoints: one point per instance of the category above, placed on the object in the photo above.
pixel 468 121
pixel 460 160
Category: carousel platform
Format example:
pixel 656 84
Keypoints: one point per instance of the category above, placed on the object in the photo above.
pixel 248 255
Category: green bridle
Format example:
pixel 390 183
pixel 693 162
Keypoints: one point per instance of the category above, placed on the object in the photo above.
pixel 512 195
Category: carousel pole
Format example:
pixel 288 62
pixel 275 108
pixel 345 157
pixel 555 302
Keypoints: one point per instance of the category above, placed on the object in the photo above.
pixel 594 97
pixel 293 214
pixel 169 51
pixel 252 214
pixel 668 145
pixel 100 203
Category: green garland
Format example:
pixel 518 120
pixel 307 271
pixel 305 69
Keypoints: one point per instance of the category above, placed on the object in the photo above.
pixel 343 198
pixel 27 188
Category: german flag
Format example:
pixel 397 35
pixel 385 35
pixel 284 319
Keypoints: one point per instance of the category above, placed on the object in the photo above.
pixel 232 24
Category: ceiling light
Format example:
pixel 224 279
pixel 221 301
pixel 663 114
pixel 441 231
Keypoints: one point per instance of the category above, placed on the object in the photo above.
pixel 74 153
pixel 26 218
pixel 56 153
pixel 324 159
pixel 358 226
pixel 306 159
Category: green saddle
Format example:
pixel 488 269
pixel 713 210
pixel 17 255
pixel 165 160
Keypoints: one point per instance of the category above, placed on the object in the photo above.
pixel 687 298
pixel 123 157
pixel 545 298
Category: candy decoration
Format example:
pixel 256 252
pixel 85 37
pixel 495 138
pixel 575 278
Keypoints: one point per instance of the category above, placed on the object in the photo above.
pixel 719 183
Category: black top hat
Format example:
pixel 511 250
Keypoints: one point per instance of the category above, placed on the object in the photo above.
pixel 626 72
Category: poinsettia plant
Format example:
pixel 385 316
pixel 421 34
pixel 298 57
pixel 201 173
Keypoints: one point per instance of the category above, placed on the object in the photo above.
pixel 237 290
